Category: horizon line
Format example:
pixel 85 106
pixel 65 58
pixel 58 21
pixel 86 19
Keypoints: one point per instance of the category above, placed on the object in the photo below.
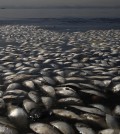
pixel 54 7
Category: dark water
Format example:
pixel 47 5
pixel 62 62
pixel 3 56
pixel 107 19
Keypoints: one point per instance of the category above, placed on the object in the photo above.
pixel 64 19
pixel 60 13
pixel 68 24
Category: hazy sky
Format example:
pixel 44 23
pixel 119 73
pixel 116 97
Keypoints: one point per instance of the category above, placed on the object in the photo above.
pixel 60 3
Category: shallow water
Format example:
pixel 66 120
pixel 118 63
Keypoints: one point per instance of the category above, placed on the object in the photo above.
pixel 67 24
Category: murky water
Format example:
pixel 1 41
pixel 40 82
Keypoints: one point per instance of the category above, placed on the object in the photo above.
pixel 58 13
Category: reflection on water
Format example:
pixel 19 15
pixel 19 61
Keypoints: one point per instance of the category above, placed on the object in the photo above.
pixel 58 13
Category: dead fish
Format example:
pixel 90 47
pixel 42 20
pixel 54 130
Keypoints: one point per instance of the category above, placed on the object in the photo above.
pixel 92 96
pixel 47 101
pixel 22 77
pixel 89 110
pixel 66 114
pixel 72 74
pixel 6 127
pixel 70 101
pixel 74 86
pixel 103 108
pixel 7 74
pixel 49 80
pixel 84 129
pixel 13 98
pixel 16 92
pixel 18 116
pixel 13 86
pixel 66 92
pixel 6 58
pixel 116 79
pixel 60 72
pixel 29 105
pixel 93 120
pixel 64 127
pixel 98 83
pixel 109 131
pixel 88 86
pixel 107 83
pixel 75 80
pixel 10 77
pixel 29 84
pixel 34 71
pixel 99 77
pixel 18 65
pixel 49 90
pixel 34 96
pixel 93 92
pixel 42 128
pixel 116 89
pixel 59 79
pixel 37 82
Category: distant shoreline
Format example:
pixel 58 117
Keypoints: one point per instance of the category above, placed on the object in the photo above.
pixel 64 7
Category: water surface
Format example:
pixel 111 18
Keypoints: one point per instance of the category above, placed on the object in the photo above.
pixel 60 13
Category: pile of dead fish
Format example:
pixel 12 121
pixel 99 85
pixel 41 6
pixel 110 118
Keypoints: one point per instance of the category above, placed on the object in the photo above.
pixel 59 83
